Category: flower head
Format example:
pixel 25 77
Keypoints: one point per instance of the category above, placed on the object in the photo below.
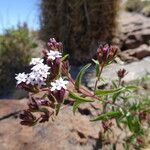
pixel 35 61
pixel 53 55
pixel 54 45
pixel 38 75
pixel 106 53
pixel 121 73
pixel 59 84
pixel 21 77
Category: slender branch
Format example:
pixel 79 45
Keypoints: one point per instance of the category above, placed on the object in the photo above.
pixel 98 78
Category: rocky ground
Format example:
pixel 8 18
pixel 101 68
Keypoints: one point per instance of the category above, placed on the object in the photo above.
pixel 67 132
pixel 76 132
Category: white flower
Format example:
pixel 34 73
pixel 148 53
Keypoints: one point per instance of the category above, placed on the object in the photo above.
pixel 35 79
pixel 38 75
pixel 21 77
pixel 58 84
pixel 35 61
pixel 53 55
pixel 40 68
pixel 31 79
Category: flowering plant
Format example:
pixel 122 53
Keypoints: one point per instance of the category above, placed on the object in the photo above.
pixel 50 76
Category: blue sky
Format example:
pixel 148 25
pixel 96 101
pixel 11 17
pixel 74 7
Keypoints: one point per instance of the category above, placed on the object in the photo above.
pixel 14 11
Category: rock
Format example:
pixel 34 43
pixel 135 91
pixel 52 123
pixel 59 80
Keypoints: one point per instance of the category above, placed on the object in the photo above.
pixel 67 132
pixel 135 30
pixel 136 70
pixel 135 54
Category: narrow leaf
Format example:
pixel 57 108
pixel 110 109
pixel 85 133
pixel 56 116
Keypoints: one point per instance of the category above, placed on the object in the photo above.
pixel 79 76
pixel 97 68
pixel 76 105
pixel 131 87
pixel 64 57
pixel 108 115
pixel 79 98
pixel 104 92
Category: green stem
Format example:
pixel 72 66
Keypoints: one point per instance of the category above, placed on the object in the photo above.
pixel 98 78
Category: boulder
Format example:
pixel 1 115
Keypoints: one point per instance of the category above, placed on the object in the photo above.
pixel 136 70
pixel 67 132
pixel 135 54
pixel 135 30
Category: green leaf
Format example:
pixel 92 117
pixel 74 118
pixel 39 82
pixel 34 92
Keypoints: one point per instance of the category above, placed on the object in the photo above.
pixel 131 87
pixel 77 97
pixel 79 76
pixel 108 115
pixel 96 67
pixel 115 96
pixel 105 92
pixel 78 100
pixel 114 84
pixel 133 124
pixel 76 105
pixel 58 106
pixel 64 57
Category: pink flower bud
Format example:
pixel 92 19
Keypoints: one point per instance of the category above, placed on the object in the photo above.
pixel 121 73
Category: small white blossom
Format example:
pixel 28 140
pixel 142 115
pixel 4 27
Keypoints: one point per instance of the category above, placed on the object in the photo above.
pixel 35 61
pixel 31 79
pixel 58 84
pixel 40 68
pixel 35 79
pixel 21 77
pixel 38 75
pixel 53 55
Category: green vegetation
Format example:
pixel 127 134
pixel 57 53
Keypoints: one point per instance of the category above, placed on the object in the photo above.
pixel 15 54
pixel 134 5
pixel 146 11
pixel 138 6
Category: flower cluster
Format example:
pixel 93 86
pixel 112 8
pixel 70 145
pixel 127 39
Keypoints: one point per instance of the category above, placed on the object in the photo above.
pixel 58 84
pixel 38 75
pixel 45 73
pixel 106 53
pixel 53 55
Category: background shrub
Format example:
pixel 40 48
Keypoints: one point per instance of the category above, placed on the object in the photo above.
pixel 134 5
pixel 15 54
pixel 146 11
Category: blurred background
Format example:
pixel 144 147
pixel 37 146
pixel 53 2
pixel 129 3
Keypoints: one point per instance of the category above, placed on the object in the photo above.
pixel 81 25
pixel 26 25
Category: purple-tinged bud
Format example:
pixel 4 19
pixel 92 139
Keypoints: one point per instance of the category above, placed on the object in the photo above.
pixel 51 96
pixel 121 73
pixel 44 102
pixel 55 67
pixel 45 117
pixel 143 115
pixel 28 88
pixel 58 95
pixel 33 105
pixel 112 52
pixel 27 118
pixel 65 67
pixel 54 45
pixel 106 53
pixel 105 50
pixel 49 63
pixel 139 140
pixel 44 52
pixel 106 125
